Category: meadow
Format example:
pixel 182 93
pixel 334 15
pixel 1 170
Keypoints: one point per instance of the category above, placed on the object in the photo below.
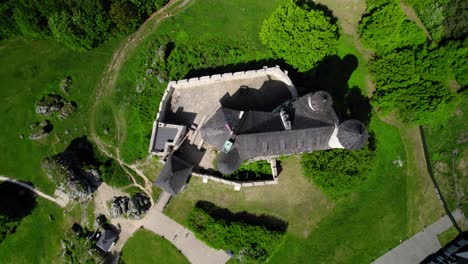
pixel 156 250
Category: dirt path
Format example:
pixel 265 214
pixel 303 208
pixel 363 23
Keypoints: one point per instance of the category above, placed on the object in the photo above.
pixel 107 84
pixel 60 200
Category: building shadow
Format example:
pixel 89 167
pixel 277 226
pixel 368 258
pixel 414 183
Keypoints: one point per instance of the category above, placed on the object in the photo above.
pixel 266 98
pixel 332 75
pixel 267 221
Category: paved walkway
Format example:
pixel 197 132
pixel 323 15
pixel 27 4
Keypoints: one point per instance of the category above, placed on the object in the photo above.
pixel 163 199
pixel 421 245
pixel 193 249
pixel 61 198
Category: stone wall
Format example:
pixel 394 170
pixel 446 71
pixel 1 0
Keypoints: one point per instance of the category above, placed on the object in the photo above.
pixel 276 71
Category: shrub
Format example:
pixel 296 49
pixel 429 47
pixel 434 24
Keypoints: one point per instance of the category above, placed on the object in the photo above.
pixel 414 82
pixel 248 243
pixel 385 28
pixel 302 34
pixel 259 170
pixel 338 171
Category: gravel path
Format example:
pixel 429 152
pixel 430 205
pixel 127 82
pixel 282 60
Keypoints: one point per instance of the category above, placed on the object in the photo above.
pixel 61 200
pixel 193 249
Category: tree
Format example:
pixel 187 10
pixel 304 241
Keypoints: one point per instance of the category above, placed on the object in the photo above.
pixel 125 16
pixel 414 82
pixel 338 171
pixel 300 33
pixel 385 28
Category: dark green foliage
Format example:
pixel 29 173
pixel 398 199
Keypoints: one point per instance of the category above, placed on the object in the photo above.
pixel 443 18
pixel 415 82
pixel 78 249
pixel 259 170
pixel 125 16
pixel 113 174
pixel 337 172
pixel 81 25
pixel 385 28
pixel 248 243
pixel 6 226
pixel 301 33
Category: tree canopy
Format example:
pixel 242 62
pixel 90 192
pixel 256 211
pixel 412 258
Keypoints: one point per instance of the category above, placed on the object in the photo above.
pixel 302 34
pixel 385 28
pixel 81 25
pixel 414 81
pixel 338 171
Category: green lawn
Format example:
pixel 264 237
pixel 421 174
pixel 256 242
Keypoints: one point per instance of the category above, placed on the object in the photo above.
pixel 146 247
pixel 31 69
pixel 36 240
pixel 447 236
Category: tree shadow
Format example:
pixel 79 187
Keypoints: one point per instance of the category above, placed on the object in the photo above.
pixel 269 222
pixel 16 202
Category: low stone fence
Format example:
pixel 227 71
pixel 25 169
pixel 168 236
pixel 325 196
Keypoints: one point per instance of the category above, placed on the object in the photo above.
pixel 237 185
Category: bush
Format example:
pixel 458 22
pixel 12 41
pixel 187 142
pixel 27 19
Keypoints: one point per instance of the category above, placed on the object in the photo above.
pixel 414 82
pixel 337 172
pixel 303 34
pixel 259 170
pixel 385 28
pixel 443 18
pixel 248 243
pixel 113 174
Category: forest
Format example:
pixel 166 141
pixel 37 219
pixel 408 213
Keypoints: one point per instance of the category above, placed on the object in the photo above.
pixel 80 25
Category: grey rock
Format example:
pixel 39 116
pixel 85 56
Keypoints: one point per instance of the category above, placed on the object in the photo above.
pixel 21 136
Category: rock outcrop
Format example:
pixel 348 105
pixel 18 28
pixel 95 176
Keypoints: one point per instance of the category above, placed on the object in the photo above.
pixel 133 207
pixel 52 104
pixel 40 130
pixel 67 170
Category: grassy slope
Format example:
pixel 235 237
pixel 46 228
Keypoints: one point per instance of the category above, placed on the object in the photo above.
pixel 37 240
pixel 146 247
pixel 30 70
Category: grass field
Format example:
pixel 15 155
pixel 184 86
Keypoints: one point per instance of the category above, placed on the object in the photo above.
pixel 37 239
pixel 447 236
pixel 33 69
pixel 146 247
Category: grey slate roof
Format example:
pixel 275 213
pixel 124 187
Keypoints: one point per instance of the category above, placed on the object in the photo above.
pixel 174 175
pixel 106 239
pixel 260 134
pixel 163 135
pixel 352 134
pixel 273 143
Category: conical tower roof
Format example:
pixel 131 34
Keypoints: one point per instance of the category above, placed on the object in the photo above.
pixel 352 134
pixel 320 101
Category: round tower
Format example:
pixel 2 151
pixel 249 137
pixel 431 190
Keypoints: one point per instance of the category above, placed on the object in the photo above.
pixel 320 101
pixel 352 134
